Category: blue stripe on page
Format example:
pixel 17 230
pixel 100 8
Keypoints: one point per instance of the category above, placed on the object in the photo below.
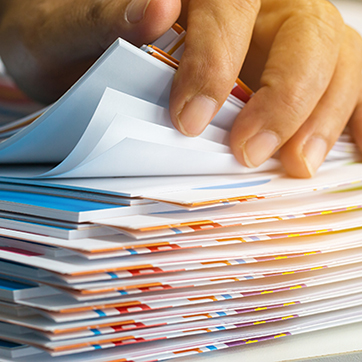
pixel 7 344
pixel 254 238
pixel 226 296
pixel 240 261
pixel 11 285
pixel 53 202
pixel 176 231
pixel 132 251
pixel 100 313
pixel 113 275
pixel 95 332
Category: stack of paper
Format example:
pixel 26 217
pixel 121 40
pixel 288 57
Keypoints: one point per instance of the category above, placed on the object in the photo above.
pixel 196 255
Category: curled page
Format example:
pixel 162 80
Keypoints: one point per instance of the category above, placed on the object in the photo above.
pixel 114 122
pixel 53 135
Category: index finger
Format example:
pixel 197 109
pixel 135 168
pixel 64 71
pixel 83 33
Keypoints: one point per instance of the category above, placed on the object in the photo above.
pixel 217 40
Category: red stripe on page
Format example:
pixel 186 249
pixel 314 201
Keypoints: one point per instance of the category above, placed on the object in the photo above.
pixel 19 251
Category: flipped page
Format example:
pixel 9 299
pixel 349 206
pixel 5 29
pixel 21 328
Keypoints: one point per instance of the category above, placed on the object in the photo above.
pixel 90 111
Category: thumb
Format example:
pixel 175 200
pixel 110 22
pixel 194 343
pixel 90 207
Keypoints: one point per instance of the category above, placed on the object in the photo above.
pixel 47 45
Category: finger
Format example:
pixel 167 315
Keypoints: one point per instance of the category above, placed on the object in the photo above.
pixel 218 36
pixel 299 68
pixel 356 123
pixel 307 149
pixel 97 24
pixel 62 38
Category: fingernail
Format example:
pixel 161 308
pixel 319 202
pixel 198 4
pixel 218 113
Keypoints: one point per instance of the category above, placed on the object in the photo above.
pixel 314 153
pixel 259 148
pixel 136 10
pixel 196 115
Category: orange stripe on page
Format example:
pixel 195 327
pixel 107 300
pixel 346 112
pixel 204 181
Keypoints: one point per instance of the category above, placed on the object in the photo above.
pixel 198 350
pixel 216 262
pixel 164 60
pixel 166 55
pixel 95 326
pixel 146 266
pixel 207 330
pixel 106 250
pixel 193 223
pixel 133 303
pixel 212 202
pixel 203 298
pixel 178 28
pixel 225 279
pixel 242 85
pixel 197 315
pixel 86 344
pixel 177 45
pixel 137 286
pixel 232 199
pixel 230 239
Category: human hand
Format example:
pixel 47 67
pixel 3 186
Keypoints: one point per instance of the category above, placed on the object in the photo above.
pixel 304 62
pixel 47 45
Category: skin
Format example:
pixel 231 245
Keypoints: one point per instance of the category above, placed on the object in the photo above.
pixel 302 61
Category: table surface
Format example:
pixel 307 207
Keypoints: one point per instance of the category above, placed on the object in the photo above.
pixel 342 344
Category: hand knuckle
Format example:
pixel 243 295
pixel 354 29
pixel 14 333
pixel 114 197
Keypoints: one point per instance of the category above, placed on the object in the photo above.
pixel 320 15
pixel 244 6
pixel 294 103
